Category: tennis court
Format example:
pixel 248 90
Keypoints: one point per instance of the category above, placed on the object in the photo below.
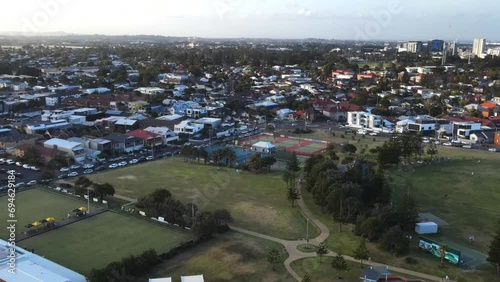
pixel 303 147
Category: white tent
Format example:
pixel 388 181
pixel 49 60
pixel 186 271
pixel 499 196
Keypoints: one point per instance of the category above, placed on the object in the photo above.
pixel 194 278
pixel 263 147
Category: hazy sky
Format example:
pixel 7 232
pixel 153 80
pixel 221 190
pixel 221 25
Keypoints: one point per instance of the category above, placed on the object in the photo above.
pixel 349 19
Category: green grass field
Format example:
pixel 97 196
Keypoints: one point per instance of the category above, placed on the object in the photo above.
pixel 229 257
pixel 256 202
pixel 36 204
pixel 101 239
pixel 464 193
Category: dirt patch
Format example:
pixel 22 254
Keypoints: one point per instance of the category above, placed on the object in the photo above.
pixel 127 177
pixel 264 215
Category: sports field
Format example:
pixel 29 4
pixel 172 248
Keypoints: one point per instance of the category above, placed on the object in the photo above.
pixel 301 146
pixel 101 239
pixel 256 202
pixel 36 204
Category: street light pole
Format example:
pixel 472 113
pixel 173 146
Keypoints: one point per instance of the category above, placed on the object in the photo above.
pixel 307 232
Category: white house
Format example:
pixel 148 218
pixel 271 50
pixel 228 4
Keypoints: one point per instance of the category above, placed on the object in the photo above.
pixel 166 134
pixel 263 147
pixel 364 120
pixel 188 127
pixel 150 90
pixel 73 149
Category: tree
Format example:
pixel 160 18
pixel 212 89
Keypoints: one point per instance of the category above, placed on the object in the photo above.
pixel 443 249
pixel 292 193
pixel 83 182
pixel 390 152
pixel 268 162
pixel 216 156
pixel 321 250
pixel 361 252
pixel 203 226
pixel 395 241
pixel 230 156
pixel 222 217
pixel 255 163
pixel 432 149
pixel 203 154
pixel 494 251
pixel 293 163
pixel 273 257
pixel 349 148
pixel 102 190
pixel 287 175
pixel 339 264
pixel 408 213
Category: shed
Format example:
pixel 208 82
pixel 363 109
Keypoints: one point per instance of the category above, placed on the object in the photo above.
pixel 426 228
pixel 263 147
pixel 375 273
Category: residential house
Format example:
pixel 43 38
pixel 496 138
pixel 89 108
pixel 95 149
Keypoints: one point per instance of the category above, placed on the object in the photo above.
pixel 100 144
pixel 166 134
pixel 47 154
pixel 490 109
pixel 124 143
pixel 482 137
pixel 150 139
pixel 125 125
pixel 188 127
pixel 335 113
pixel 12 138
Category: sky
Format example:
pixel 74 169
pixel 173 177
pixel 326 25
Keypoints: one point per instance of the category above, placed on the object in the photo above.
pixel 280 19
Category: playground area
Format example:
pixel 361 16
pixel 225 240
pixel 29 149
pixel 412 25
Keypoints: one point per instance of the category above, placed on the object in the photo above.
pixel 300 146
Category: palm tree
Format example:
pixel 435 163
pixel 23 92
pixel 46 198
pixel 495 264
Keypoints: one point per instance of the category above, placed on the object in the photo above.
pixel 443 250
pixel 230 156
pixel 216 156
pixel 203 154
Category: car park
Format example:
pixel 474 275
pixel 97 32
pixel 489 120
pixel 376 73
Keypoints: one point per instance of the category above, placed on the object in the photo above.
pixel 32 182
pixel 88 171
pixel 73 174
pixel 63 169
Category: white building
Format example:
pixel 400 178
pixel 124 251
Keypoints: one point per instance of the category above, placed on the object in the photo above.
pixel 51 101
pixel 188 127
pixel 150 90
pixel 364 120
pixel 263 147
pixel 166 134
pixel 73 149
pixel 478 46
pixel 31 267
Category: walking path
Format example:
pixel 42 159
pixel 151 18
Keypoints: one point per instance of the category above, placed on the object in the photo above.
pixel 294 254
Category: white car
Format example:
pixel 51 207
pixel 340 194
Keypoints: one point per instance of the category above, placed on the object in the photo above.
pixel 32 182
pixel 122 164
pixel 20 184
pixel 113 166
pixel 73 174
pixel 149 158
pixel 75 167
pixel 448 144
pixel 26 166
pixel 34 168
pixel 88 171
pixel 9 161
pixel 63 169
pixel 19 164
pixel 426 141
pixel 373 133
pixel 467 146
pixel 492 149
pixel 362 132
pixel 134 161
pixel 88 166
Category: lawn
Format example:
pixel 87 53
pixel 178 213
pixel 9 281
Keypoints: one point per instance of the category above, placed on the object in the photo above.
pixel 324 272
pixel 36 204
pixel 256 202
pixel 101 239
pixel 345 242
pixel 464 193
pixel 229 257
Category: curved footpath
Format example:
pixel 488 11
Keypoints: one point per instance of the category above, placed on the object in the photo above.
pixel 294 254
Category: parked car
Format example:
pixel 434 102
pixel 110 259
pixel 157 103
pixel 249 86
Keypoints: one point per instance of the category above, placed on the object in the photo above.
pixel 63 169
pixel 26 166
pixel 20 184
pixel 373 133
pixel 73 174
pixel 149 158
pixel 62 176
pixel 19 164
pixel 9 161
pixel 2 162
pixel 492 149
pixel 32 182
pixel 88 171
pixel 426 141
pixel 123 163
pixel 113 166
pixel 34 168
pixel 75 167
pixel 88 166
pixel 447 144
pixel 467 146
pixel 100 168
pixel 133 161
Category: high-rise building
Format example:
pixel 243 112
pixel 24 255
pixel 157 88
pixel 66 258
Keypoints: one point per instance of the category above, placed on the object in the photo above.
pixel 435 45
pixel 478 46
pixel 453 48
pixel 414 46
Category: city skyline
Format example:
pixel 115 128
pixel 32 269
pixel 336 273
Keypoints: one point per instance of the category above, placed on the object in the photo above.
pixel 282 19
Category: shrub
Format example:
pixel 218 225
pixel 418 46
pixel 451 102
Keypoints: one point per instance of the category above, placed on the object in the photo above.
pixel 342 136
pixel 410 260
